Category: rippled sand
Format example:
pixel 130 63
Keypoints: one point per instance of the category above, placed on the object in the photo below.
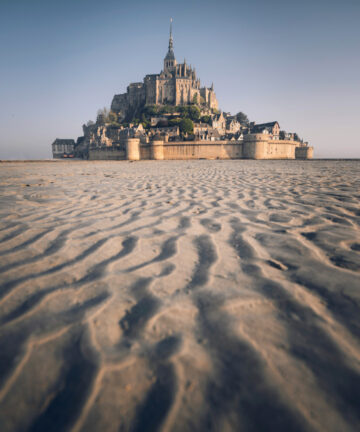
pixel 180 296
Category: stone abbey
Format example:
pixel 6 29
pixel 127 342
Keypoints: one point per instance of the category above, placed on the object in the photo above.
pixel 170 116
pixel 177 84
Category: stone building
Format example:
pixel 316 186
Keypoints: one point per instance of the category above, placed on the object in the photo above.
pixel 271 128
pixel 232 125
pixel 62 148
pixel 218 122
pixel 176 84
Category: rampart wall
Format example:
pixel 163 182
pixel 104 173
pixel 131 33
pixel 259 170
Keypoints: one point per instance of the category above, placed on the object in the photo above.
pixel 255 146
pixel 107 153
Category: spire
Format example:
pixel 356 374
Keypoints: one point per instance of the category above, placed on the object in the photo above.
pixel 169 60
pixel 171 37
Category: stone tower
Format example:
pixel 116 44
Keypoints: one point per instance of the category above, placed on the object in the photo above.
pixel 169 60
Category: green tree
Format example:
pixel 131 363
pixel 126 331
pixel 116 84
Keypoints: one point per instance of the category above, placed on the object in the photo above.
pixel 195 99
pixel 194 112
pixel 175 121
pixel 151 110
pixel 184 111
pixel 186 126
pixel 205 119
pixel 242 118
pixel 167 109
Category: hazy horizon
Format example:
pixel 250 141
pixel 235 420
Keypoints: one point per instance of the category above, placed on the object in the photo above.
pixel 282 60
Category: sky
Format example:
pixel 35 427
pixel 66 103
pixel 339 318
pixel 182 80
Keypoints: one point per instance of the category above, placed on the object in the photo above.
pixel 297 62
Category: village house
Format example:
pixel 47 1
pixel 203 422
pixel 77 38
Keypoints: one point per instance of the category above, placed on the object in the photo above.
pixel 271 128
pixel 218 122
pixel 63 148
pixel 232 125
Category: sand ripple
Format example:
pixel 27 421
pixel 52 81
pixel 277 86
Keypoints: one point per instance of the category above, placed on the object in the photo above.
pixel 180 296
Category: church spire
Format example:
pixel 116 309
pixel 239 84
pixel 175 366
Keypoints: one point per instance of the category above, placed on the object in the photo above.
pixel 171 37
pixel 169 61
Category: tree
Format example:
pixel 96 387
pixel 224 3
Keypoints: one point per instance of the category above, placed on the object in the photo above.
pixel 242 118
pixel 195 99
pixel 175 121
pixel 183 110
pixel 186 126
pixel 112 117
pixel 194 112
pixel 296 137
pixel 90 123
pixel 104 112
pixel 205 119
pixel 167 109
pixel 150 110
pixel 282 135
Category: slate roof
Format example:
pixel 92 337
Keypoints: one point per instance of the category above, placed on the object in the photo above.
pixel 264 125
pixel 170 55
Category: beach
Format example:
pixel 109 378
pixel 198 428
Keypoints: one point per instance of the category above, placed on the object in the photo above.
pixel 180 296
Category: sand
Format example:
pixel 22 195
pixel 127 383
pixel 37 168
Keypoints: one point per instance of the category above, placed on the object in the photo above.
pixel 180 296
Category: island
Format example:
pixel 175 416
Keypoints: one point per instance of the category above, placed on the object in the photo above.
pixel 170 116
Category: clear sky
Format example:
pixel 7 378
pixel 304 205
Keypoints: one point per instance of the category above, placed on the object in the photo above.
pixel 297 62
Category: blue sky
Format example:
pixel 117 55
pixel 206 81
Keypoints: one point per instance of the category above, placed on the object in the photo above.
pixel 297 62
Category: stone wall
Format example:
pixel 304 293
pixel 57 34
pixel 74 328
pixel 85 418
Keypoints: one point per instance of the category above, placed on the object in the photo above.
pixel 203 150
pixel 107 153
pixel 304 152
pixel 261 146
pixel 254 146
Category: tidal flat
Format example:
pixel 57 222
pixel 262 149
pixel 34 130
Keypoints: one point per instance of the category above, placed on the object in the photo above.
pixel 180 296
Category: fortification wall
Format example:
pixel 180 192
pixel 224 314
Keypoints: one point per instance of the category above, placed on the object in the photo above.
pixel 260 146
pixel 203 150
pixel 255 146
pixel 280 149
pixel 107 153
pixel 304 152
pixel 145 151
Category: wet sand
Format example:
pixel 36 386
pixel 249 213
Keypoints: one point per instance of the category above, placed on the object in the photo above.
pixel 180 296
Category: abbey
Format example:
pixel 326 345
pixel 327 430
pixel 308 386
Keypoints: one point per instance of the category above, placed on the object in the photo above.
pixel 176 84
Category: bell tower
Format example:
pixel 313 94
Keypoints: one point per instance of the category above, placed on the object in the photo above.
pixel 169 60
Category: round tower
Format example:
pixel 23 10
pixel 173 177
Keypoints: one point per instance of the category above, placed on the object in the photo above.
pixel 132 149
pixel 157 148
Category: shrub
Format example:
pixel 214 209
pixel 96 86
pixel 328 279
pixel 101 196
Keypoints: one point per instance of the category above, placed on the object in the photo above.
pixel 186 126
